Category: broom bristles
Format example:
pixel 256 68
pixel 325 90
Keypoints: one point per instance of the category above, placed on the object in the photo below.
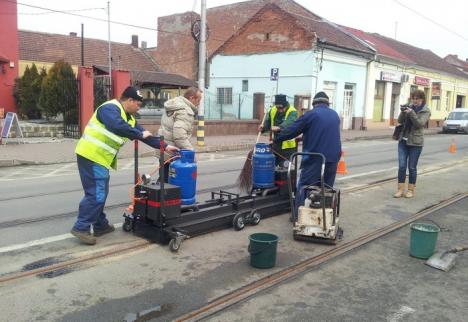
pixel 244 180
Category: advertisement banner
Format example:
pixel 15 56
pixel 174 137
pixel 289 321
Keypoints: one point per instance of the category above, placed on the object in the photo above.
pixel 422 81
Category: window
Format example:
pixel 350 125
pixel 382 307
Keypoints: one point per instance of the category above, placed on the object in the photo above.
pixel 245 85
pixel 224 96
pixel 448 101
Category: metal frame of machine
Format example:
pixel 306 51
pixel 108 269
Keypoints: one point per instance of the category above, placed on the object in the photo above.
pixel 309 225
pixel 159 216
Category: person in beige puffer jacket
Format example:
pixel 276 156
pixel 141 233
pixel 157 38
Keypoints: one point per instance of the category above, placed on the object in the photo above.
pixel 177 121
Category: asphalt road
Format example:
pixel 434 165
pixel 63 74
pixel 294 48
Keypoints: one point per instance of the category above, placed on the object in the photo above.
pixel 213 264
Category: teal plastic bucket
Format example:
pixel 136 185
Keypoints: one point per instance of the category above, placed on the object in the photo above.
pixel 262 249
pixel 423 239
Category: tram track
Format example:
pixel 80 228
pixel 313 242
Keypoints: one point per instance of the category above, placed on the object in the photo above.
pixel 293 271
pixel 142 243
pixel 112 186
pixel 19 222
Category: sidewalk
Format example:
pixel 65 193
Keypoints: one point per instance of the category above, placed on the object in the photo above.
pixel 53 150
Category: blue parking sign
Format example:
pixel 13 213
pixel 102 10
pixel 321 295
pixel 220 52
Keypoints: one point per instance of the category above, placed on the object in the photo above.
pixel 274 74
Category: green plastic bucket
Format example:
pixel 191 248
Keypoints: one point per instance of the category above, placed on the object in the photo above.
pixel 262 249
pixel 423 239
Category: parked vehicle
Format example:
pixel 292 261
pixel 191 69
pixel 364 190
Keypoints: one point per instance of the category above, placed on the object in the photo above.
pixel 150 109
pixel 457 121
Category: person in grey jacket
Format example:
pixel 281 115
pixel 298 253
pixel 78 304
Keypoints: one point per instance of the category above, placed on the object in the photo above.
pixel 414 118
pixel 177 121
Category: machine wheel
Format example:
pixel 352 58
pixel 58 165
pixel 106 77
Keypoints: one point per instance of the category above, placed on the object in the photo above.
pixel 174 244
pixel 238 222
pixel 127 225
pixel 255 218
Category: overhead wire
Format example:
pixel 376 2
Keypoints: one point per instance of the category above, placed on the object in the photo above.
pixel 258 45
pixel 431 20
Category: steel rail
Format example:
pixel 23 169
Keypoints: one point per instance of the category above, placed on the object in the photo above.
pixel 111 186
pixel 293 271
pixel 72 262
pixel 19 222
pixel 143 243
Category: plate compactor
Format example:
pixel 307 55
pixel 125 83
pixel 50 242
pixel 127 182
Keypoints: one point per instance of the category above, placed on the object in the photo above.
pixel 317 219
pixel 159 214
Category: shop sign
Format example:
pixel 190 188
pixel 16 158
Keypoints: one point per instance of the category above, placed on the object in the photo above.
pixel 422 81
pixel 436 90
pixel 390 77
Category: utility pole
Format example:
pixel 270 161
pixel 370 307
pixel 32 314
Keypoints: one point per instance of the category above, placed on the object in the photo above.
pixel 110 50
pixel 82 45
pixel 201 75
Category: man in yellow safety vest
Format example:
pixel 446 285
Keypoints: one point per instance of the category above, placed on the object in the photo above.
pixel 111 125
pixel 280 116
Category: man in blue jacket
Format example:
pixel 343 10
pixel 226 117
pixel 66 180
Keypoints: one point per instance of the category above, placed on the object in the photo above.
pixel 321 134
pixel 111 125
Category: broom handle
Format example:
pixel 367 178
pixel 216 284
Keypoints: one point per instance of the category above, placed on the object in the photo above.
pixel 260 132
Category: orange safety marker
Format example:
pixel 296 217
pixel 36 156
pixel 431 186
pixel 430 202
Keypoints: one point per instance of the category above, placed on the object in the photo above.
pixel 341 168
pixel 452 148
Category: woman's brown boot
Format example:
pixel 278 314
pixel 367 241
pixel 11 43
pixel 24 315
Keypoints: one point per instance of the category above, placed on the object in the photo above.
pixel 400 192
pixel 410 192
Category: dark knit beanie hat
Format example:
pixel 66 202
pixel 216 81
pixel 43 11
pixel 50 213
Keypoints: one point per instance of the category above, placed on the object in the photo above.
pixel 320 97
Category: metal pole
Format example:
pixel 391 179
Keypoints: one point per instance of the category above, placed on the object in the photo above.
pixel 82 45
pixel 201 75
pixel 109 43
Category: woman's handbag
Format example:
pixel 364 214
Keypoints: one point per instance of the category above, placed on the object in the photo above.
pixel 397 132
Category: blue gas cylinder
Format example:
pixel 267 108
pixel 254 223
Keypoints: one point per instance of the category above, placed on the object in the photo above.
pixel 263 167
pixel 183 173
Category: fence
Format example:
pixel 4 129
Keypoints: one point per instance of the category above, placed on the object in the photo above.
pixel 230 106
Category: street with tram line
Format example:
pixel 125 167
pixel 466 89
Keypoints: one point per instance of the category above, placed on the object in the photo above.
pixel 38 213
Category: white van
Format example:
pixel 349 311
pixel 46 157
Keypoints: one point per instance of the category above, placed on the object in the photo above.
pixel 457 121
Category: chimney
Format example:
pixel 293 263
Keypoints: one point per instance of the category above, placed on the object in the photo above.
pixel 73 34
pixel 144 44
pixel 135 41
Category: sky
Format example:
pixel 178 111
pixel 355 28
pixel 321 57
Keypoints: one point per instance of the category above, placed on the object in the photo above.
pixel 440 26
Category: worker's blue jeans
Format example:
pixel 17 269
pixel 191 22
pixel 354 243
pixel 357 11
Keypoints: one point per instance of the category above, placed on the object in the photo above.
pixel 95 182
pixel 408 156
pixel 310 175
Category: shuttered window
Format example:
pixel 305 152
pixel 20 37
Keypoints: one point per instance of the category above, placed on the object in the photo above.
pixel 224 95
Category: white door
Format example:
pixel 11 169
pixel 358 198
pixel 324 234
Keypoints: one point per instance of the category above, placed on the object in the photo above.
pixel 330 89
pixel 348 106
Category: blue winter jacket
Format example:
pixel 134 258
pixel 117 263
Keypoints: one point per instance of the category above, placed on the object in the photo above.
pixel 109 115
pixel 321 133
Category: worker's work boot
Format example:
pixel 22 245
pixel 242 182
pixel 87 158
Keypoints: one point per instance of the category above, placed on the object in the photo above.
pixel 84 237
pixel 98 233
pixel 410 192
pixel 400 192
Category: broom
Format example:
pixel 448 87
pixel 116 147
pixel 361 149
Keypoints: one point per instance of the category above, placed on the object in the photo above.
pixel 244 181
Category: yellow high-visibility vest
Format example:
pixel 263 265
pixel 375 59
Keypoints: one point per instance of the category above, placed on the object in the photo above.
pixel 288 144
pixel 99 144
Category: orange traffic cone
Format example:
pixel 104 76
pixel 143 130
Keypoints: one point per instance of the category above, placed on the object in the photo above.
pixel 341 168
pixel 452 148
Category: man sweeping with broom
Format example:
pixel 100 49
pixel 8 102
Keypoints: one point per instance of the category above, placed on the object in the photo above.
pixel 280 116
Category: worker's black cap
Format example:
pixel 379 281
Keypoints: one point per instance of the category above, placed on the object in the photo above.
pixel 132 92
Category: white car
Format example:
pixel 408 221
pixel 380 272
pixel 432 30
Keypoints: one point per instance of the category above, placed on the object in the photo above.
pixel 457 121
pixel 150 110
